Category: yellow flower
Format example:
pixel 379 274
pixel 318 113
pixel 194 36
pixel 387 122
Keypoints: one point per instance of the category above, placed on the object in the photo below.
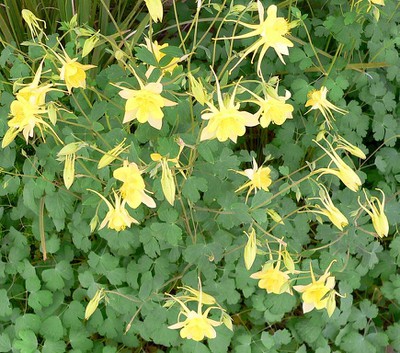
pixel 227 122
pixel 94 303
pixel 333 213
pixel 378 2
pixel 69 170
pixel 347 146
pixel 155 48
pixel 377 214
pixel 272 279
pixel 319 294
pixel 250 249
pixel 271 33
pixel 33 23
pixel 111 155
pixel 317 100
pixel 133 187
pixel 155 8
pixel 145 104
pixel 347 175
pixel 73 72
pixel 117 217
pixel 274 107
pixel 259 178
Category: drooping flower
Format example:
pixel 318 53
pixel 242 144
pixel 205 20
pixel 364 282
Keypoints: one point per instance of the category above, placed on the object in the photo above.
pixel 145 104
pixel 329 210
pixel 133 189
pixel 33 23
pixel 226 122
pixel 117 217
pixel 273 108
pixel 111 155
pixel 319 294
pixel 271 33
pixel 73 72
pixel 317 100
pixel 272 279
pixel 342 143
pixel 94 303
pixel 259 178
pixel 347 175
pixel 377 214
pixel 250 249
pixel 377 2
pixel 155 8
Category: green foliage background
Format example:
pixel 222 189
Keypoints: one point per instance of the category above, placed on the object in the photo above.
pixel 42 303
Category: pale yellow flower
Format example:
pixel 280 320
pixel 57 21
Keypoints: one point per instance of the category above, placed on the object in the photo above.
pixel 94 303
pixel 145 104
pixel 155 8
pixel 342 143
pixel 317 100
pixel 271 33
pixel 250 249
pixel 73 72
pixel 260 178
pixel 347 175
pixel 329 210
pixel 133 188
pixel 156 48
pixel 273 108
pixel 272 279
pixel 33 23
pixel 377 2
pixel 319 294
pixel 377 214
pixel 117 217
pixel 226 122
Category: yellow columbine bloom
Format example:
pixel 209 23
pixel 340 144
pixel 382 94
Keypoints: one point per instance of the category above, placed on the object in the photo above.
pixel 319 294
pixel 227 122
pixel 145 104
pixel 347 175
pixel 117 217
pixel 377 2
pixel 342 143
pixel 133 187
pixel 33 23
pixel 155 48
pixel 273 108
pixel 271 33
pixel 329 210
pixel 317 100
pixel 377 214
pixel 155 8
pixel 272 279
pixel 73 72
pixel 250 249
pixel 259 178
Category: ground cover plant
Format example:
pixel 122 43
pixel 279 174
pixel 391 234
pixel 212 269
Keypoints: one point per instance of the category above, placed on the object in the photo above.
pixel 198 176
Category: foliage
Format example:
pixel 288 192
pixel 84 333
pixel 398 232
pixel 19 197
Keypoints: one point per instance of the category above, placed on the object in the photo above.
pixel 141 199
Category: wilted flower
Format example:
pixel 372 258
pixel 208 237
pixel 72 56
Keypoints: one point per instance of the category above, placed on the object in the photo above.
pixel 73 72
pixel 377 214
pixel 69 170
pixel 117 217
pixel 317 100
pixel 259 178
pixel 33 23
pixel 342 143
pixel 272 279
pixel 227 122
pixel 145 104
pixel 250 249
pixel 133 188
pixel 271 33
pixel 111 155
pixel 155 8
pixel 94 303
pixel 347 175
pixel 319 294
pixel 329 209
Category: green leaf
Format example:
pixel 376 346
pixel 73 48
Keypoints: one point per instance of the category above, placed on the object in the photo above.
pixel 354 342
pixel 27 343
pixel 192 187
pixel 5 343
pixel 53 279
pixel 52 328
pixel 5 306
pixel 53 347
pixel 40 299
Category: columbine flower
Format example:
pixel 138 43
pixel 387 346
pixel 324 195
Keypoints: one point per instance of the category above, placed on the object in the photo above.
pixel 111 155
pixel 250 249
pixel 145 104
pixel 155 48
pixel 347 175
pixel 377 214
pixel 73 72
pixel 319 294
pixel 272 279
pixel 271 32
pixel 133 187
pixel 117 217
pixel 342 143
pixel 317 100
pixel 273 108
pixel 33 23
pixel 155 9
pixel 333 213
pixel 227 122
pixel 259 178
pixel 377 2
